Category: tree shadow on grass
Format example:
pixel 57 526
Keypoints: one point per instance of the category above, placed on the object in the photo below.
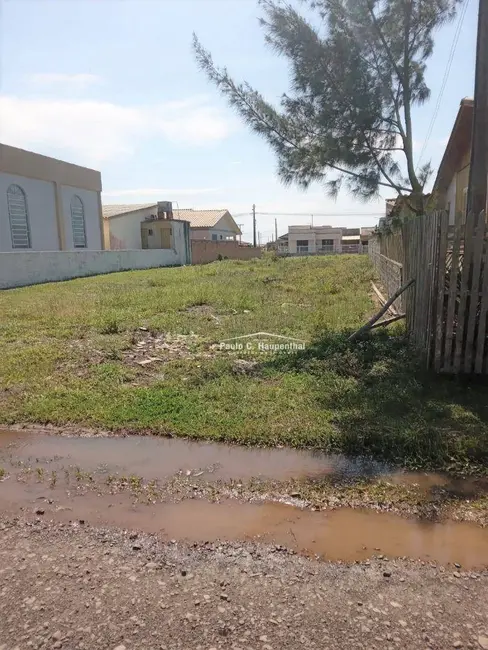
pixel 382 402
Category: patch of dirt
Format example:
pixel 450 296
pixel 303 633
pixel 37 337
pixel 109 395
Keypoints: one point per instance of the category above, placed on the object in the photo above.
pixel 245 367
pixel 150 348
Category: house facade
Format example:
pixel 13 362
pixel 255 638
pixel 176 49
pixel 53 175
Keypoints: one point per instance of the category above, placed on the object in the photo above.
pixel 213 225
pixel 147 227
pixel 122 224
pixel 306 239
pixel 451 184
pixel 351 240
pixel 48 204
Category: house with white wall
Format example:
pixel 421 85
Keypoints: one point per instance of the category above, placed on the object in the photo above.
pixel 307 239
pixel 52 226
pixel 122 224
pixel 214 225
pixel 48 204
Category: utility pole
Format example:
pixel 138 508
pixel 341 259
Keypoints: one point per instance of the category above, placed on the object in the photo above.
pixel 478 171
pixel 254 225
pixel 276 229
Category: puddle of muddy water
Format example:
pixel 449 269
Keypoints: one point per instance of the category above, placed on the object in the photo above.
pixel 160 458
pixel 154 457
pixel 344 534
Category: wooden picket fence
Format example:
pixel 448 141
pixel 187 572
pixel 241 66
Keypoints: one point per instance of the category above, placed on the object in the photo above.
pixel 461 302
pixel 447 306
pixel 420 241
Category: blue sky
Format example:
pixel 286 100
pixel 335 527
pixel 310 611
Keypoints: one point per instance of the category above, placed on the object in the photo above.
pixel 112 84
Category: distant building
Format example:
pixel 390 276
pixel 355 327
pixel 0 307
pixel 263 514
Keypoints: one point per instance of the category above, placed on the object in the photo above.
pixel 306 239
pixel 366 234
pixel 280 245
pixel 351 240
pixel 123 224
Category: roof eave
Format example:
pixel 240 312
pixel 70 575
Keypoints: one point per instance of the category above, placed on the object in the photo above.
pixel 465 107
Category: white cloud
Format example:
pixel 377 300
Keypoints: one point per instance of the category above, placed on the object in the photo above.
pixel 97 131
pixel 161 191
pixel 77 81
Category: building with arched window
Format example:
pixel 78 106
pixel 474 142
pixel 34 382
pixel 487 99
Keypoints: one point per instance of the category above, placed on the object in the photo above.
pixel 48 204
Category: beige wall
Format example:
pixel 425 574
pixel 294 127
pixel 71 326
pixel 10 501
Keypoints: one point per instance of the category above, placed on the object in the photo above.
pixel 33 165
pixel 62 175
pixel 204 251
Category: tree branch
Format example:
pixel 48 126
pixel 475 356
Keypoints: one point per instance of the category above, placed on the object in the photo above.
pixel 223 79
pixel 383 41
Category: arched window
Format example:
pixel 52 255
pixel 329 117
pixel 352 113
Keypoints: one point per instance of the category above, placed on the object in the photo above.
pixel 19 217
pixel 78 222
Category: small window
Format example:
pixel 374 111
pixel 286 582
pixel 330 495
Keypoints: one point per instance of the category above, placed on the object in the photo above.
pixel 150 232
pixel 78 222
pixel 327 242
pixel 19 217
pixel 221 237
pixel 214 237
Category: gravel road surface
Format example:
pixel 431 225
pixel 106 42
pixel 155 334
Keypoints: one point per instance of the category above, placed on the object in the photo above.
pixel 71 586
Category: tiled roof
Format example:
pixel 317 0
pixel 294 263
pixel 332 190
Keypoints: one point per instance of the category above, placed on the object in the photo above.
pixel 197 218
pixel 114 209
pixel 200 218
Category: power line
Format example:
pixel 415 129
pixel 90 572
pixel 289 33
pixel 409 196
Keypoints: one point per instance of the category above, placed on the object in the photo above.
pixel 315 214
pixel 444 81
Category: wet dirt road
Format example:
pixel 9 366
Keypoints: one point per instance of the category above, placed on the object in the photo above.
pixel 80 588
pixel 68 479
pixel 93 557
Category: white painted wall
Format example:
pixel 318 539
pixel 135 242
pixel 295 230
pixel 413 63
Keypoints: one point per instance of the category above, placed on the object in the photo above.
pixel 314 240
pixel 336 240
pixel 41 206
pixel 92 217
pixel 451 200
pixel 125 233
pixel 23 268
pixel 125 230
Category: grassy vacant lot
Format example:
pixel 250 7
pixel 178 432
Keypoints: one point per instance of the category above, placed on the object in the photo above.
pixel 71 353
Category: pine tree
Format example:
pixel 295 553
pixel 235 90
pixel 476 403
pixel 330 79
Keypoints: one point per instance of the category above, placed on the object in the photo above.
pixel 357 69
